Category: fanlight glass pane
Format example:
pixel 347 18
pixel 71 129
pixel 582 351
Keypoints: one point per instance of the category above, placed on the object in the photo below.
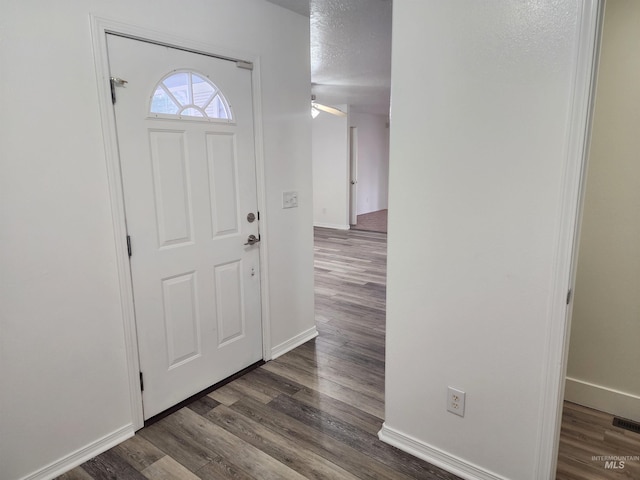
pixel 162 103
pixel 202 91
pixel 189 94
pixel 217 108
pixel 192 112
pixel 179 86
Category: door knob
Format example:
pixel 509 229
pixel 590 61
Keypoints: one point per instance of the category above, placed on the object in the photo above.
pixel 252 240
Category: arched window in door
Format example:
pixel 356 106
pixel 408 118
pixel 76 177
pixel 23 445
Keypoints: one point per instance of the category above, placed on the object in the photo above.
pixel 185 93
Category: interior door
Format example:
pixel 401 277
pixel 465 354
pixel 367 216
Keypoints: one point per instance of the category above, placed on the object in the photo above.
pixel 353 175
pixel 185 133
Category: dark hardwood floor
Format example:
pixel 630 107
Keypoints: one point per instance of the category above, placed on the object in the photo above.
pixel 315 412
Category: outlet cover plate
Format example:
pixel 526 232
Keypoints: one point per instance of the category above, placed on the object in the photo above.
pixel 455 401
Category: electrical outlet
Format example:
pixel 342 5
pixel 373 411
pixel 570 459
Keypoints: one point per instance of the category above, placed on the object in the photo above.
pixel 455 401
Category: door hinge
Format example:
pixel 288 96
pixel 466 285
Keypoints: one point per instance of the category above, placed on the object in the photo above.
pixel 258 215
pixel 129 245
pixel 141 383
pixel 569 296
pixel 245 65
pixel 115 82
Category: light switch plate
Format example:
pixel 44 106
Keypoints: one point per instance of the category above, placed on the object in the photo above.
pixel 289 199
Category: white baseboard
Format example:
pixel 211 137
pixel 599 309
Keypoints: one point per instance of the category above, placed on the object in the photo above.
pixel 601 398
pixel 435 456
pixel 335 226
pixel 80 456
pixel 294 342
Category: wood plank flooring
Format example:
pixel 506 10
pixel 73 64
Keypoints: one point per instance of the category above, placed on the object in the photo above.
pixel 372 222
pixel 587 434
pixel 314 413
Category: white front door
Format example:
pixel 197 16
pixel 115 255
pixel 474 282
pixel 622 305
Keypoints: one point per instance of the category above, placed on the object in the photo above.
pixel 185 133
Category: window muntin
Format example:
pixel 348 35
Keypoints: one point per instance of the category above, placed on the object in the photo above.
pixel 185 93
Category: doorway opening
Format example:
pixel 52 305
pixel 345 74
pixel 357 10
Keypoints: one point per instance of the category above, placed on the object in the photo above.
pixel 602 380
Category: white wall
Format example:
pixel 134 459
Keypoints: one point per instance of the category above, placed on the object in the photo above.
pixel 480 137
pixel 373 161
pixel 604 358
pixel 63 370
pixel 330 147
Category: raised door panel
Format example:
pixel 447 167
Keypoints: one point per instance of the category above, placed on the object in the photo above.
pixel 181 318
pixel 223 178
pixel 171 187
pixel 229 303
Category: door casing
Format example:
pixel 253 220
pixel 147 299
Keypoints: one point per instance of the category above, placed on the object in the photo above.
pixel 580 121
pixel 353 175
pixel 99 29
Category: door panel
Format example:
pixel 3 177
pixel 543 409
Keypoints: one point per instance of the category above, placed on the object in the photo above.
pixel 188 185
pixel 221 157
pixel 180 317
pixel 229 301
pixel 171 187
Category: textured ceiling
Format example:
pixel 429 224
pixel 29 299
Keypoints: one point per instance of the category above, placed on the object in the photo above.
pixel 350 51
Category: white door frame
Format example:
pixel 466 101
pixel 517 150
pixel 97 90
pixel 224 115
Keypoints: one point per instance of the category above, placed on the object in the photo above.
pixel 558 328
pixel 99 29
pixel 353 175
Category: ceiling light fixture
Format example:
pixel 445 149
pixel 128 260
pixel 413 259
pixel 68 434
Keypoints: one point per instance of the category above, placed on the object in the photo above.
pixel 328 109
pixel 316 108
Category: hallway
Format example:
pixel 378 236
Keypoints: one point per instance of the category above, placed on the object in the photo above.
pixel 312 413
pixel 315 412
